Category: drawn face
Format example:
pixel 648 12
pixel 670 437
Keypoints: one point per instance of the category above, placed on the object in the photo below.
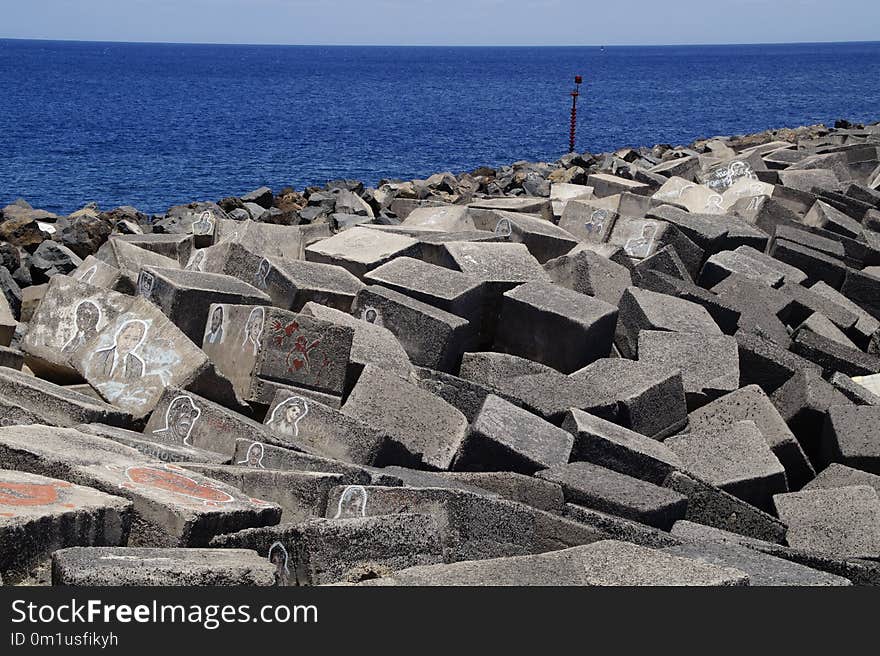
pixel 353 502
pixel 263 271
pixel 504 228
pixel 649 231
pixel 195 263
pixel 278 557
pixel 146 282
pixel 370 315
pixel 255 324
pixel 294 410
pixel 130 337
pixel 182 415
pixel 87 316
pixel 255 454
pixel 216 319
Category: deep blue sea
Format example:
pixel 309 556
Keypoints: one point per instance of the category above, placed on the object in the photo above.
pixel 155 125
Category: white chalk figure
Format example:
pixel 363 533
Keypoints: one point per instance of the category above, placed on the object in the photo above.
pixel 88 274
pixel 278 557
pixel 146 283
pixel 254 456
pixel 205 224
pixel 262 274
pixel 87 316
pixel 214 334
pixel 714 203
pixel 253 329
pixel 371 315
pixel 180 419
pixel 196 261
pixel 597 222
pixel 352 502
pixel 641 246
pixel 286 416
pixel 504 228
pixel 121 362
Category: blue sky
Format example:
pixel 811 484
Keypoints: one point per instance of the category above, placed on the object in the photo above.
pixel 444 22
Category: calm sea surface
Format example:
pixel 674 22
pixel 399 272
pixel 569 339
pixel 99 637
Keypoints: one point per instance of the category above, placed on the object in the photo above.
pixel 155 125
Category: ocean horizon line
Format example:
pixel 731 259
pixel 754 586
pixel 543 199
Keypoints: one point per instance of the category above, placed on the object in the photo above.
pixel 441 45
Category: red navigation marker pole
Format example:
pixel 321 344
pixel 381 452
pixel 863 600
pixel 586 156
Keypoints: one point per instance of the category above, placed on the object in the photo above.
pixel 574 111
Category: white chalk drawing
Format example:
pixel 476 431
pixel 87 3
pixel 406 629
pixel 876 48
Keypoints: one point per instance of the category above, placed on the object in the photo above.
pixel 196 261
pixel 253 329
pixel 254 456
pixel 88 274
pixel 352 502
pixel 146 283
pixel 641 246
pixel 205 224
pixel 87 316
pixel 214 331
pixel 121 361
pixel 504 228
pixel 596 222
pixel 180 419
pixel 262 274
pixel 371 315
pixel 724 177
pixel 714 203
pixel 286 416
pixel 278 557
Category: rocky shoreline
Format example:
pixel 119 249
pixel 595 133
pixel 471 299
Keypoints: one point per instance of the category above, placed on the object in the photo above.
pixel 652 366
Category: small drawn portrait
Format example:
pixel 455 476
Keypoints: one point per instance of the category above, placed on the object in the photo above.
pixel 204 225
pixel 180 419
pixel 504 228
pixel 714 202
pixel 596 222
pixel 641 246
pixel 262 274
pixel 214 334
pixel 253 329
pixel 254 456
pixel 88 274
pixel 371 315
pixel 146 283
pixel 196 261
pixel 121 362
pixel 352 502
pixel 278 557
pixel 87 316
pixel 286 416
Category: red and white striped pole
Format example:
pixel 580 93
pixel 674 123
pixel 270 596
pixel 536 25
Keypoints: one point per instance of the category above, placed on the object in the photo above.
pixel 574 111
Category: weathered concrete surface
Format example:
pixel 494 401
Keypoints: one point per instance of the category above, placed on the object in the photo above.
pixel 171 507
pixel 607 563
pixel 88 567
pixel 39 515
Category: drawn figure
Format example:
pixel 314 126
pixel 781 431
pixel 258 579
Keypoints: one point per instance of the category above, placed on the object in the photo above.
pixel 286 416
pixel 714 203
pixel 297 357
pixel 352 502
pixel 146 283
pixel 87 315
pixel 205 224
pixel 196 262
pixel 180 418
pixel 173 479
pixel 29 494
pixel 253 329
pixel 88 274
pixel 278 557
pixel 370 315
pixel 504 228
pixel 641 246
pixel 262 274
pixel 215 329
pixel 597 222
pixel 254 456
pixel 120 362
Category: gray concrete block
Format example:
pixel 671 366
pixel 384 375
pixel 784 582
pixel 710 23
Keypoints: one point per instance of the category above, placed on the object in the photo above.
pixel 852 437
pixel 118 566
